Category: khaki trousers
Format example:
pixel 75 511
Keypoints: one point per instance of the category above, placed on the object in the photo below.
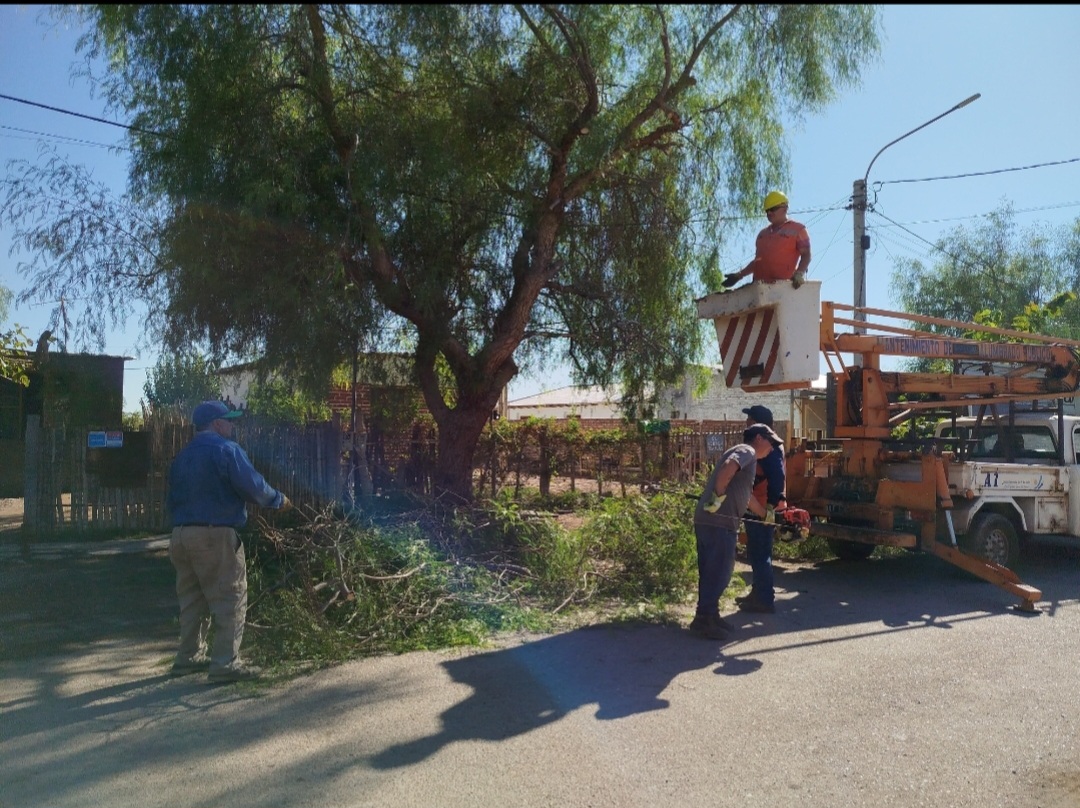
pixel 211 581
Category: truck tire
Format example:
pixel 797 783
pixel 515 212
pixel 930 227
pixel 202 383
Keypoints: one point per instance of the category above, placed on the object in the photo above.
pixel 850 550
pixel 993 537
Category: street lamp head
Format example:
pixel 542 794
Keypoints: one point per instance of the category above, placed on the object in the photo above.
pixel 967 101
pixel 962 104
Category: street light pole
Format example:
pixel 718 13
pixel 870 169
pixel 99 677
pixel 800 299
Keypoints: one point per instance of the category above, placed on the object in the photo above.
pixel 858 205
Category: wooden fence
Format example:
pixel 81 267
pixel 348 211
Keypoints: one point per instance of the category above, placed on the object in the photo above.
pixel 71 486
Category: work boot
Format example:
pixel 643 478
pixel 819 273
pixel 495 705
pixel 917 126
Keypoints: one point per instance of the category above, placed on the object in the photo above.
pixel 739 601
pixel 236 672
pixel 710 626
pixel 195 664
pixel 755 605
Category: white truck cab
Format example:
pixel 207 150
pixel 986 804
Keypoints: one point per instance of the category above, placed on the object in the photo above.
pixel 1011 480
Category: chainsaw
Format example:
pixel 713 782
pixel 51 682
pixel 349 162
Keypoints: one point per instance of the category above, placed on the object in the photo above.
pixel 792 524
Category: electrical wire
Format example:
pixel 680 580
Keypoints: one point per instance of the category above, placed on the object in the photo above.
pixel 980 173
pixel 80 115
pixel 1040 208
pixel 60 138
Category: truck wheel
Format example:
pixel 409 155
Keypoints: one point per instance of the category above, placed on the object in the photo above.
pixel 993 537
pixel 850 550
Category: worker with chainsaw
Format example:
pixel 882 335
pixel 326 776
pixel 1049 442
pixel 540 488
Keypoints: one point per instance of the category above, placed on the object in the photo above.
pixel 782 250
pixel 210 482
pixel 726 496
pixel 770 491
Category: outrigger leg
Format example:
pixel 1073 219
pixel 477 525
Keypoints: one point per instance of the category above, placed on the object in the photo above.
pixel 996 574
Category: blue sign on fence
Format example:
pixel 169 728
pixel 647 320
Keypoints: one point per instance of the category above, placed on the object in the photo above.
pixel 95 440
pixel 114 440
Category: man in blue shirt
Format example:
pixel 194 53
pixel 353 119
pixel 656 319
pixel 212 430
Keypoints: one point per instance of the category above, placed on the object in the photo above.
pixel 770 490
pixel 211 481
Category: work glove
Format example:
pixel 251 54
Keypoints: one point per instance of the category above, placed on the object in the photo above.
pixel 714 504
pixel 798 278
pixel 286 504
pixel 731 279
pixel 770 515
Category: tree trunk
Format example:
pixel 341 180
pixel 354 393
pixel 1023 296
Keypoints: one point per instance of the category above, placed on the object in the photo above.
pixel 459 432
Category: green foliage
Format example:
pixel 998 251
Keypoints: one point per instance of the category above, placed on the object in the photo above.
pixel 1035 318
pixel 181 380
pixel 549 560
pixel 279 401
pixel 995 274
pixel 495 185
pixel 13 341
pixel 814 548
pixel 79 242
pixel 644 547
pixel 13 363
pixel 133 421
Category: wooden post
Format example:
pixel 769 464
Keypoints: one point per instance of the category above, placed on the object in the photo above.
pixel 32 475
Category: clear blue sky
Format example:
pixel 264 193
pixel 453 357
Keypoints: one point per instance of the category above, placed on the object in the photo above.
pixel 1022 59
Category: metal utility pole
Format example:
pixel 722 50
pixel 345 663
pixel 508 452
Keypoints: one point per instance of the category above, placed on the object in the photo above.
pixel 858 206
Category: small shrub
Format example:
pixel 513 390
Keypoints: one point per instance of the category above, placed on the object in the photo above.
pixel 645 546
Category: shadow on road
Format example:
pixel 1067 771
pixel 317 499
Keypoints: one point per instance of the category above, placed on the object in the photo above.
pixel 54 605
pixel 901 593
pixel 621 668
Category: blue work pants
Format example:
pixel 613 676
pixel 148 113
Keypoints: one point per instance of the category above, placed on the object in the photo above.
pixel 759 540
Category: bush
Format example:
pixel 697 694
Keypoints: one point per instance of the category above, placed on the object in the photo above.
pixel 644 547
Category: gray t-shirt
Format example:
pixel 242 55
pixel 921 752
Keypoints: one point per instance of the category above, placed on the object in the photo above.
pixel 738 490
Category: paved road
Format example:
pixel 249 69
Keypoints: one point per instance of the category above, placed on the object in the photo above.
pixel 887 683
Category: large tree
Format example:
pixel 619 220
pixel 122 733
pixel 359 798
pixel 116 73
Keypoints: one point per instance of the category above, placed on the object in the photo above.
pixel 998 273
pixel 499 186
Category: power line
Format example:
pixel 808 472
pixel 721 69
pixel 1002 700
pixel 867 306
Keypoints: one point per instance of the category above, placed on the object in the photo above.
pixel 80 115
pixel 934 247
pixel 65 138
pixel 1040 208
pixel 980 173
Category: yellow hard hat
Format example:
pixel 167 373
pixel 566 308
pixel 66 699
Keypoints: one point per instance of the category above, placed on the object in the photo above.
pixel 774 198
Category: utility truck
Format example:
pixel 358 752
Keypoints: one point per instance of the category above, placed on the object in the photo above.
pixel 866 487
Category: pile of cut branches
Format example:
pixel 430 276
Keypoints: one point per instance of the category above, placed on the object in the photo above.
pixel 325 589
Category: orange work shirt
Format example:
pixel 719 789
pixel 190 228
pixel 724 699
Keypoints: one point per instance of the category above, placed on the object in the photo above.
pixel 778 251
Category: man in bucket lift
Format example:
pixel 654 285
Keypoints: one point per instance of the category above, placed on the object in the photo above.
pixel 782 250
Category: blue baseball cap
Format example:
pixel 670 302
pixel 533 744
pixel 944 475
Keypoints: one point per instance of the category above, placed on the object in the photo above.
pixel 212 410
pixel 759 414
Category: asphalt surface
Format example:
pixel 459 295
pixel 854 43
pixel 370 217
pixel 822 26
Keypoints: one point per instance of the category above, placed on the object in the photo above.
pixel 883 683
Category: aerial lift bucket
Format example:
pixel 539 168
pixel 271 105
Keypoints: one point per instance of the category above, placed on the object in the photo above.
pixel 769 334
